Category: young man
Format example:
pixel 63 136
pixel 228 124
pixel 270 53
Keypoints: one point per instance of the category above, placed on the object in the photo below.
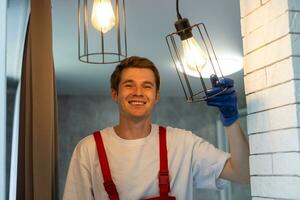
pixel 139 160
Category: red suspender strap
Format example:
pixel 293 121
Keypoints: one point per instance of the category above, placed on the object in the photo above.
pixel 164 183
pixel 108 183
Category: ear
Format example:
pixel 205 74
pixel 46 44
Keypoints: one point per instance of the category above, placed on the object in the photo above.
pixel 157 96
pixel 114 94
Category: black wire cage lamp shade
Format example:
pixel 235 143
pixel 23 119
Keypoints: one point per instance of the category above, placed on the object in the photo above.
pixel 102 35
pixel 192 52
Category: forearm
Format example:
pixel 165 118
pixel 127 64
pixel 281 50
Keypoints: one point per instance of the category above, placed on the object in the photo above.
pixel 239 149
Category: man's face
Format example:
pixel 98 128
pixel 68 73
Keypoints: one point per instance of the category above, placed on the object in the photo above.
pixel 137 93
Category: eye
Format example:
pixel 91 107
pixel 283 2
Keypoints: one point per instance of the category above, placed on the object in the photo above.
pixel 148 86
pixel 128 85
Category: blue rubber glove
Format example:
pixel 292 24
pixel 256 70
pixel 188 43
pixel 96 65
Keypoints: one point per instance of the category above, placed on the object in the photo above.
pixel 226 102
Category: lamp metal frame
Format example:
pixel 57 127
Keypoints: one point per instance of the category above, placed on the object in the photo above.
pixel 191 95
pixel 101 55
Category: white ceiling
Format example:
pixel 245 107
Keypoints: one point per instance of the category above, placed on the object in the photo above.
pixel 148 22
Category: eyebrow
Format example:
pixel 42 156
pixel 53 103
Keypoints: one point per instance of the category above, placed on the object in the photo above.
pixel 127 81
pixel 148 83
pixel 131 81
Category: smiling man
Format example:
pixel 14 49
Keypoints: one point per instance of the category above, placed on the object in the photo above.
pixel 139 160
pixel 135 91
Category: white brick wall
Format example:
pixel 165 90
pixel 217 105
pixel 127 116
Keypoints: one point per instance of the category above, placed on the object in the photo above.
pixel 280 72
pixel 294 5
pixel 278 164
pixel 274 119
pixel 261 164
pixel 271 31
pixel 271 43
pixel 264 1
pixel 272 53
pixel 284 187
pixel 262 15
pixel 259 198
pixel 285 140
pixel 273 97
pixel 256 81
pixel 248 6
pixel 286 163
pixel 296 63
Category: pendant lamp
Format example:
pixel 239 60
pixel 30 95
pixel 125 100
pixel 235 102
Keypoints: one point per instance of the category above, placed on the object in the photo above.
pixel 192 51
pixel 101 31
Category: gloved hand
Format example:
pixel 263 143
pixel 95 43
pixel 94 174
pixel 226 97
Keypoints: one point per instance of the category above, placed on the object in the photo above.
pixel 226 102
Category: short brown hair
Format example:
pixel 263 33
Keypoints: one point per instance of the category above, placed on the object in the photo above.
pixel 133 62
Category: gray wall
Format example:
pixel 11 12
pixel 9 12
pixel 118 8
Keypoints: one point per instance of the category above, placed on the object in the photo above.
pixel 81 115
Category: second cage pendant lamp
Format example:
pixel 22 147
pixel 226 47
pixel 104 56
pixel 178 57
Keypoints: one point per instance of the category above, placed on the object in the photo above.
pixel 101 31
pixel 192 52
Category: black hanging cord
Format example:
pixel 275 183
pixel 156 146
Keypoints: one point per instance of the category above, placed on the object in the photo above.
pixel 177 9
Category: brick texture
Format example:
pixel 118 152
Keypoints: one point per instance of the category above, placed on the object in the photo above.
pixel 262 15
pixel 271 53
pixel 279 95
pixel 260 198
pixel 277 118
pixel 275 141
pixel 271 44
pixel 275 187
pixel 261 164
pixel 286 163
pixel 248 6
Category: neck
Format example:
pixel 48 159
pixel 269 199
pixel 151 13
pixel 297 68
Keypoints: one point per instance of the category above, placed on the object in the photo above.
pixel 131 130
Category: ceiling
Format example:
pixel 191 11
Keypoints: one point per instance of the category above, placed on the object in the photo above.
pixel 148 22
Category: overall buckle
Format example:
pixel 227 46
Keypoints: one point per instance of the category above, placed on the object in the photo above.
pixel 111 189
pixel 164 182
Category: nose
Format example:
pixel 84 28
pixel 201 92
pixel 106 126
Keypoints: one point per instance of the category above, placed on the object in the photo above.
pixel 138 91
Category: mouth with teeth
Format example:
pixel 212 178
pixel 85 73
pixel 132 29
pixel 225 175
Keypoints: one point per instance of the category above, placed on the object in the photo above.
pixel 137 103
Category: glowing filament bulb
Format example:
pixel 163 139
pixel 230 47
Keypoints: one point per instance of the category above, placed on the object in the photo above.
pixel 103 17
pixel 194 57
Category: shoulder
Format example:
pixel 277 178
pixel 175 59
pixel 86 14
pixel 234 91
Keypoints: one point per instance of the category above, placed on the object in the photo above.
pixel 182 136
pixel 181 133
pixel 173 130
pixel 86 141
pixel 84 146
pixel 87 145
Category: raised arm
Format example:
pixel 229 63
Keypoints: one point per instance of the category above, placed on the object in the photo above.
pixel 237 166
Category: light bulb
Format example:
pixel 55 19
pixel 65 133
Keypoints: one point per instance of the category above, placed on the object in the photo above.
pixel 103 17
pixel 194 57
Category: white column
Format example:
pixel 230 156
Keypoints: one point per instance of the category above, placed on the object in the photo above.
pixel 271 44
pixel 3 8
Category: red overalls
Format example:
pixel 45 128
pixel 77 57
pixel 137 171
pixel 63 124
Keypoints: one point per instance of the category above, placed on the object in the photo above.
pixel 164 183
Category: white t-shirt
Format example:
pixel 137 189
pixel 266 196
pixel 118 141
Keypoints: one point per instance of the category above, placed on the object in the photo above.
pixel 134 166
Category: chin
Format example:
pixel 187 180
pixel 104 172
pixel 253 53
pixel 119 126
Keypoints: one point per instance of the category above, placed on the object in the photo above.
pixel 139 116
